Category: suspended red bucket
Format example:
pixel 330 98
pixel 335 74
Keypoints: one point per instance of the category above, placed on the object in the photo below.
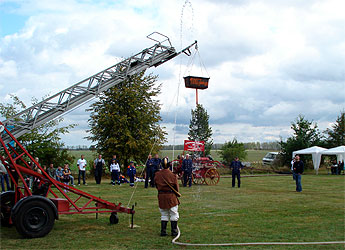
pixel 196 82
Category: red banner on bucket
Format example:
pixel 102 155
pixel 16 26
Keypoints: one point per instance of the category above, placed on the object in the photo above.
pixel 194 146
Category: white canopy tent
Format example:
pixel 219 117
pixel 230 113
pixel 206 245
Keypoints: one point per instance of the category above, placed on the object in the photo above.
pixel 315 152
pixel 338 151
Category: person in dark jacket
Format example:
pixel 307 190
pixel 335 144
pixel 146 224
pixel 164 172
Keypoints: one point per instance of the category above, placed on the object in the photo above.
pixel 236 167
pixel 187 168
pixel 98 165
pixel 298 168
pixel 156 163
pixel 131 171
pixel 150 173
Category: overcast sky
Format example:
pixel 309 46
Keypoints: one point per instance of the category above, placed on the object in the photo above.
pixel 268 61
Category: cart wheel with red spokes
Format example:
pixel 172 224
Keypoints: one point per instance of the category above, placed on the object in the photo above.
pixel 212 176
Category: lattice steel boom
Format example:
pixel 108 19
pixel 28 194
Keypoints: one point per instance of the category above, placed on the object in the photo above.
pixel 83 91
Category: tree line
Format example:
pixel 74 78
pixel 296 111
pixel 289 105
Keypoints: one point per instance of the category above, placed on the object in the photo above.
pixel 274 146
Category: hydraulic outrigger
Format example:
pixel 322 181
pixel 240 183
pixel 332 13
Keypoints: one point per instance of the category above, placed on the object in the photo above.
pixel 33 212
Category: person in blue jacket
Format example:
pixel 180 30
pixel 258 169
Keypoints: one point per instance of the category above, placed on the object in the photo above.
pixel 156 166
pixel 236 167
pixel 187 168
pixel 150 173
pixel 131 171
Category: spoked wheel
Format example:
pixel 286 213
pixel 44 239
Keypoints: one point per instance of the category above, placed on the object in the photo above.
pixel 6 203
pixel 114 219
pixel 198 179
pixel 212 177
pixel 34 219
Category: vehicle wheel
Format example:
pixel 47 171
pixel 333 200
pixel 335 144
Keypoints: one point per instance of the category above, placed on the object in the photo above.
pixel 34 219
pixel 197 179
pixel 114 219
pixel 6 204
pixel 212 177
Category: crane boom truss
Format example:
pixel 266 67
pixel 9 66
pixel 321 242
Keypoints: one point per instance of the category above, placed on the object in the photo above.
pixel 81 92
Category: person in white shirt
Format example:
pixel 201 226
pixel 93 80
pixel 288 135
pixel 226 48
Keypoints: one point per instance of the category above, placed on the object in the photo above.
pixel 115 171
pixel 293 173
pixel 82 168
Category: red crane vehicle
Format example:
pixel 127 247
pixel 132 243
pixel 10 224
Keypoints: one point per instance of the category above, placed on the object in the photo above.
pixel 34 211
pixel 204 168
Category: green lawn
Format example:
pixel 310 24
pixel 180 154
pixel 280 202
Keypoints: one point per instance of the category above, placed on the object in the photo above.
pixel 264 209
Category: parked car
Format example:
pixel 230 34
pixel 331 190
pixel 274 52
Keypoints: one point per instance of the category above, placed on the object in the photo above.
pixel 269 158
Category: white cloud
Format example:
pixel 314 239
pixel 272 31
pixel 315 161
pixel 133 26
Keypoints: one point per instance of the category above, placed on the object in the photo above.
pixel 268 60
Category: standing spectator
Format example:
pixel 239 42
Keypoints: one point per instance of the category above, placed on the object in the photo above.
pixel 66 175
pixel 59 173
pixel 51 171
pixel 34 167
pixel 114 158
pixel 293 173
pixel 298 167
pixel 81 163
pixel 340 167
pixel 115 171
pixel 187 168
pixel 4 177
pixel 131 171
pixel 168 191
pixel 15 176
pixel 150 173
pixel 334 167
pixel 98 166
pixel 156 163
pixel 236 167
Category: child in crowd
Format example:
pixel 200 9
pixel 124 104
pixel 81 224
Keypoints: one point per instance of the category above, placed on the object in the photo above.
pixel 131 171
pixel 115 171
pixel 123 179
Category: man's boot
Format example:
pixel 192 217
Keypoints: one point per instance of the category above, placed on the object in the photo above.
pixel 174 231
pixel 164 228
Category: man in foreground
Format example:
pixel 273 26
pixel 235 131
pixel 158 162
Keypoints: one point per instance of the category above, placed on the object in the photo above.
pixel 168 191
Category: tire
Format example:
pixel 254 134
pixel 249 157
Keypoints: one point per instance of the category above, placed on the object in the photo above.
pixel 34 219
pixel 7 200
pixel 114 219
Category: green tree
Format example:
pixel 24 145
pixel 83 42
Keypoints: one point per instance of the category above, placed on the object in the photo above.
pixel 44 141
pixel 232 149
pixel 305 134
pixel 125 120
pixel 336 134
pixel 199 129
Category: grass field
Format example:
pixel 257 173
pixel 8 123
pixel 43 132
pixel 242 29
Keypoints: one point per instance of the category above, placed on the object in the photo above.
pixel 264 209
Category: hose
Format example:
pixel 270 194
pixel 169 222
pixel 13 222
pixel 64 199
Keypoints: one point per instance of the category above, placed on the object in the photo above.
pixel 174 241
